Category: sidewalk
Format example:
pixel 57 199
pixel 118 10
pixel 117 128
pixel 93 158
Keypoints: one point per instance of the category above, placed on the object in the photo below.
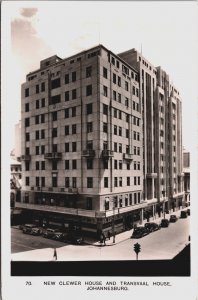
pixel 121 237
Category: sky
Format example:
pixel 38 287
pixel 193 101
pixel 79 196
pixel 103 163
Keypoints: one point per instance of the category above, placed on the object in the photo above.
pixel 165 31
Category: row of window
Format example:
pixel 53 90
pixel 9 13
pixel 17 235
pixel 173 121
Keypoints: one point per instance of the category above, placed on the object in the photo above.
pixel 118 181
pixel 38 88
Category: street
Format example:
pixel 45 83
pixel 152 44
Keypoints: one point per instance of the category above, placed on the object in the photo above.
pixel 162 244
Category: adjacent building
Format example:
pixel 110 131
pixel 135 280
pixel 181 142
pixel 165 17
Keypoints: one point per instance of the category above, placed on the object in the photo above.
pixel 101 141
pixel 186 171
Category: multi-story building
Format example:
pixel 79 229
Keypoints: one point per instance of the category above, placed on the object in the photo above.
pixel 186 171
pixel 15 181
pixel 82 142
pixel 162 135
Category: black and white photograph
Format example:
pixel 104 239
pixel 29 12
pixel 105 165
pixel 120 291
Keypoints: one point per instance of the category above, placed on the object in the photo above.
pixel 99 149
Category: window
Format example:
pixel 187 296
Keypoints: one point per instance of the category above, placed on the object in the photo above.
pixel 89 127
pixel 128 181
pixel 74 164
pixel 27 181
pixel 89 164
pixel 67 113
pixel 37 150
pixel 126 86
pixel 42 133
pixel 120 148
pixel 89 203
pixel 127 102
pixel 115 113
pixel 138 150
pixel 106 182
pixel 90 145
pixel 120 164
pixel 54 165
pixel 105 109
pixel 27 108
pixel 133 90
pixel 137 92
pixel 104 72
pixel 73 146
pixel 54 148
pixel 37 119
pixel 115 129
pixel 105 93
pixel 138 180
pixel 55 83
pixel 113 60
pixel 114 78
pixel 27 122
pixel 73 94
pixel 55 99
pixel 27 165
pixel 43 181
pixel 115 164
pixel 67 182
pixel 119 81
pixel 127 118
pixel 67 164
pixel 117 64
pixel 42 165
pixel 89 182
pixel 115 147
pixel 67 130
pixel 27 92
pixel 105 127
pixel 27 136
pixel 127 133
pixel 37 165
pixel 27 150
pixel 37 104
pixel 66 147
pixel 128 165
pixel 54 132
pixel 119 98
pixel 120 131
pixel 66 78
pixel 135 180
pixel 120 115
pixel 43 87
pixel 74 111
pixel 73 128
pixel 37 135
pixel 37 89
pixel 37 181
pixel 54 180
pixel 74 182
pixel 42 118
pixel 105 164
pixel 114 95
pixel 43 102
pixel 89 90
pixel 54 116
pixel 89 108
pixel 120 181
pixel 115 181
pixel 105 145
pixel 73 76
pixel 67 96
pixel 88 71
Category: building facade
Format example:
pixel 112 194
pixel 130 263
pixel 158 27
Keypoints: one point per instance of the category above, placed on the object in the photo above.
pixel 162 135
pixel 82 142
pixel 186 171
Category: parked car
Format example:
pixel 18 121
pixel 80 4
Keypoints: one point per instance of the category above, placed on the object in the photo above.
pixel 74 238
pixel 173 218
pixel 183 214
pixel 27 228
pixel 188 211
pixel 60 236
pixel 49 233
pixel 152 226
pixel 164 223
pixel 139 232
pixel 36 231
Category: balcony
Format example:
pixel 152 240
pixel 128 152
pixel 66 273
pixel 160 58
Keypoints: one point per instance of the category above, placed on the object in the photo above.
pixel 106 154
pixel 151 175
pixel 25 157
pixel 88 153
pixel 128 156
pixel 53 155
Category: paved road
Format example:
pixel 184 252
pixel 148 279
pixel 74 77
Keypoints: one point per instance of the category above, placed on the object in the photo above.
pixel 21 242
pixel 162 244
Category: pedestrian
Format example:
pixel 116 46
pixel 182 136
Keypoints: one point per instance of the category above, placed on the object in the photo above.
pixel 108 234
pixel 55 255
pixel 104 239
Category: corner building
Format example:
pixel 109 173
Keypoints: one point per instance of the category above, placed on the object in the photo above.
pixel 82 158
pixel 161 110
